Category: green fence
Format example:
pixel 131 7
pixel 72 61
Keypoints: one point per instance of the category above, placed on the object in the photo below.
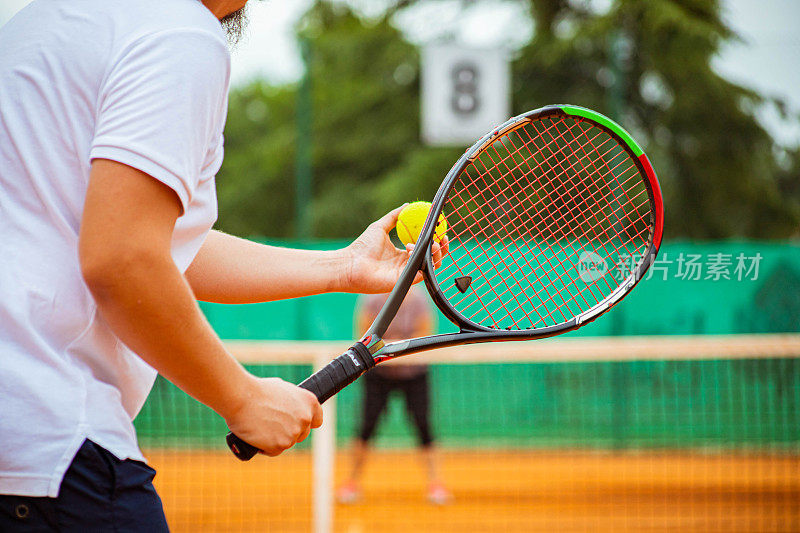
pixel 742 404
pixel 672 302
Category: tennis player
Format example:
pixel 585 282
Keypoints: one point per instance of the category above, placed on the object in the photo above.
pixel 413 319
pixel 111 121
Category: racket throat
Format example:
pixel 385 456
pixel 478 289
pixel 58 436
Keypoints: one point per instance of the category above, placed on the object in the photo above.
pixel 374 343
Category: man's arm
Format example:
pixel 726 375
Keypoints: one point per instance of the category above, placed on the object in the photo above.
pixel 124 249
pixel 232 270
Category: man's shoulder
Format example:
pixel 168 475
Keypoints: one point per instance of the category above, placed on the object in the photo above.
pixel 135 20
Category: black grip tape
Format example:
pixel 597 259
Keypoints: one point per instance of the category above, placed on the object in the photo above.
pixel 324 383
pixel 242 450
pixel 340 372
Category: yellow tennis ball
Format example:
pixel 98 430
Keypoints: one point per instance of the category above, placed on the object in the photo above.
pixel 411 220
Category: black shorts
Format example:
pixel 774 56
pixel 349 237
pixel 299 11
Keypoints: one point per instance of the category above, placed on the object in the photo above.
pixel 99 493
pixel 376 394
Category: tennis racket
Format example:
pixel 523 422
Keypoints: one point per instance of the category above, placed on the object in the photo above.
pixel 552 218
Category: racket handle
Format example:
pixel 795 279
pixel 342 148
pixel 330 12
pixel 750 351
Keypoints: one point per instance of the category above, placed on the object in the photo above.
pixel 242 450
pixel 339 373
pixel 324 383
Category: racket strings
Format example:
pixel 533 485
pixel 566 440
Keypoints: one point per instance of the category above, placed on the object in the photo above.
pixel 560 194
pixel 570 209
pixel 553 222
pixel 562 216
pixel 550 280
pixel 509 290
pixel 633 177
pixel 603 159
pixel 495 161
pixel 631 171
pixel 534 220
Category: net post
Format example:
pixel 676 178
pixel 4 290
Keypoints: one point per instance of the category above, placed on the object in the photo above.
pixel 323 449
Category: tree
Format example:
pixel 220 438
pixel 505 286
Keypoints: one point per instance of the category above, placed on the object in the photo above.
pixel 717 166
pixel 367 156
pixel 645 64
pixel 255 186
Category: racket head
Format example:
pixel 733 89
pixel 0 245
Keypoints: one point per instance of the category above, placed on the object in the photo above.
pixel 553 217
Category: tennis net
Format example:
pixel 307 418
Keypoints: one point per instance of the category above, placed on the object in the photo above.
pixel 571 434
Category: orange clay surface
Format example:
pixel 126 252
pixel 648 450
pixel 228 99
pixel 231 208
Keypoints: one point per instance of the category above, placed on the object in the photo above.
pixel 493 490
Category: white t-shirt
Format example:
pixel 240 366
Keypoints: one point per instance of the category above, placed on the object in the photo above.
pixel 141 82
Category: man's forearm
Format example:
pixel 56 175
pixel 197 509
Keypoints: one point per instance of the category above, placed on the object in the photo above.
pixel 150 307
pixel 232 270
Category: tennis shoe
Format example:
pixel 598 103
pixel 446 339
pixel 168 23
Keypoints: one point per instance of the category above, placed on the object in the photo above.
pixel 438 494
pixel 349 493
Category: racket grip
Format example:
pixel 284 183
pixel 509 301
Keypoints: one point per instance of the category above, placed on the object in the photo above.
pixel 324 383
pixel 339 373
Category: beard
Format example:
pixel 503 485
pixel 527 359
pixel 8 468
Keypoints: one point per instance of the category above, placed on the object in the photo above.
pixel 234 25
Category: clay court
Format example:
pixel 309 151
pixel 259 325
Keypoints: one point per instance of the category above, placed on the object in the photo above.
pixel 494 491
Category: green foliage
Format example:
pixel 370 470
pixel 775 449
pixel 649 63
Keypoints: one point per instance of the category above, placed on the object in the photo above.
pixel 367 155
pixel 255 187
pixel 648 65
pixel 645 64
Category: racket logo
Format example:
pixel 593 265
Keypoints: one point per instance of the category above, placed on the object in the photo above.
pixel 591 266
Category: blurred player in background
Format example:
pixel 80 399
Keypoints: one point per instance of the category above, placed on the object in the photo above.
pixel 414 319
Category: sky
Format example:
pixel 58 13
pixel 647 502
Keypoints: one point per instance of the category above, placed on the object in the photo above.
pixel 767 58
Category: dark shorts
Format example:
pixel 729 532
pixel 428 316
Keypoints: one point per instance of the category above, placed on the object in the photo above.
pixel 376 395
pixel 99 493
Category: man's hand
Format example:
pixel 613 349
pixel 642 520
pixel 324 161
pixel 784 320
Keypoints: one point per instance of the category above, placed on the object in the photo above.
pixel 276 416
pixel 375 263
